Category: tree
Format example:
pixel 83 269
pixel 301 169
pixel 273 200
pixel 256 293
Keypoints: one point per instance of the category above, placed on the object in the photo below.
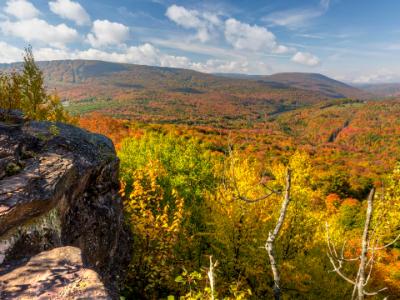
pixel 270 244
pixel 366 258
pixel 156 226
pixel 34 96
pixel 272 235
pixel 10 90
pixel 26 92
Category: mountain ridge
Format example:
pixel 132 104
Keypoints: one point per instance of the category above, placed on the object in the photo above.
pixel 151 93
pixel 313 82
pixel 298 80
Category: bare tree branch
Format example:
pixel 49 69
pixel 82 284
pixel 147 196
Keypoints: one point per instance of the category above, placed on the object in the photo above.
pixel 361 279
pixel 337 270
pixel 387 245
pixel 247 200
pixel 375 293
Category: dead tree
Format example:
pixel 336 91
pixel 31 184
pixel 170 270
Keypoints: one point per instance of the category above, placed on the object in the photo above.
pixel 272 235
pixel 366 258
pixel 210 275
pixel 270 244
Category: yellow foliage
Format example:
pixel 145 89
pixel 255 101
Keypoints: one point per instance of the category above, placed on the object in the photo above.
pixel 155 224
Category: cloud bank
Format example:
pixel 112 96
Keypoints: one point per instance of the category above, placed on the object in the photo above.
pixel 228 45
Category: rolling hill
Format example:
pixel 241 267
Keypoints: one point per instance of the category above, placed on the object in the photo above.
pixel 308 81
pixel 179 95
pixel 382 89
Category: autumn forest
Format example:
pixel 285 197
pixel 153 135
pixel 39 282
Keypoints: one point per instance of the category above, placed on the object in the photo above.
pixel 237 188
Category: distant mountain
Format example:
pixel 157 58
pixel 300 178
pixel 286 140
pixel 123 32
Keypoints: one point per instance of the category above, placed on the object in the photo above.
pixel 308 81
pixel 156 93
pixel 382 89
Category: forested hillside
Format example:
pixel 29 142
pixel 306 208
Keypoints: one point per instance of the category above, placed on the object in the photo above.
pixel 279 198
pixel 177 95
pixel 221 188
pixel 382 90
pixel 311 82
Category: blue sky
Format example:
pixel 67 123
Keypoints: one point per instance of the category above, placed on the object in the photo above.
pixel 350 40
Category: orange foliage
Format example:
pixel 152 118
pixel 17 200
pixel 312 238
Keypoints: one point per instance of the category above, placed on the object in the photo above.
pixel 332 202
pixel 115 129
pixel 388 271
pixel 351 202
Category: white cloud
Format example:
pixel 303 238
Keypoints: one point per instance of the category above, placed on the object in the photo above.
pixel 36 30
pixel 379 76
pixel 306 58
pixel 21 9
pixel 9 53
pixel 204 23
pixel 199 48
pixel 145 54
pixel 222 66
pixel 106 33
pixel 70 10
pixel 295 18
pixel 251 37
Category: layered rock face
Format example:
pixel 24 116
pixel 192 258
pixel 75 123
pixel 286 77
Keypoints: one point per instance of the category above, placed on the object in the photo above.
pixel 59 187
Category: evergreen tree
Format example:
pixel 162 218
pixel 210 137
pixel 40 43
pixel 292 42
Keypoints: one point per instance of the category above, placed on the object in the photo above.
pixel 26 91
pixel 34 97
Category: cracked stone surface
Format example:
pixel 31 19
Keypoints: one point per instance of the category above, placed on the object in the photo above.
pixel 56 274
pixel 59 187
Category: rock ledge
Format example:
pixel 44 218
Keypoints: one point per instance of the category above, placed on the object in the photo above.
pixel 59 187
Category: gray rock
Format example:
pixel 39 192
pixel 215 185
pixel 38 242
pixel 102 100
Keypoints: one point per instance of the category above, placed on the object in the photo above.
pixel 59 186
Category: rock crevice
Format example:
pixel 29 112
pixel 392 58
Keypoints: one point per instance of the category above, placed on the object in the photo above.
pixel 59 187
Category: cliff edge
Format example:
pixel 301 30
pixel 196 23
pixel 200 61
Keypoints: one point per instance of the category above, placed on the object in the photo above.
pixel 59 187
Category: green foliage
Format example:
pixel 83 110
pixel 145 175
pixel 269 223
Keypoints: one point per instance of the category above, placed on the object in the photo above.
pixel 178 173
pixel 187 162
pixel 169 179
pixel 196 287
pixel 33 93
pixel 349 214
pixel 26 91
pixel 10 93
pixel 337 183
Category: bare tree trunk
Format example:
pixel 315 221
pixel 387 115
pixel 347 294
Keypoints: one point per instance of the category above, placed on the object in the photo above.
pixel 270 244
pixel 211 277
pixel 337 260
pixel 364 247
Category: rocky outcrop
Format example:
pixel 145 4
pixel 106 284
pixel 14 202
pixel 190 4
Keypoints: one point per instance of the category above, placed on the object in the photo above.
pixel 58 274
pixel 59 187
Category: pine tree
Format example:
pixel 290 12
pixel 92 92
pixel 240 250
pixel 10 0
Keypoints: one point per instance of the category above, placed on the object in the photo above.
pixel 34 96
pixel 26 91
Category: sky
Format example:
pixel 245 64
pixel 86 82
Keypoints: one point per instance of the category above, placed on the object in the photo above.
pixel 350 40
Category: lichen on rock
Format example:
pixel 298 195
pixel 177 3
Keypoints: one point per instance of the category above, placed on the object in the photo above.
pixel 64 191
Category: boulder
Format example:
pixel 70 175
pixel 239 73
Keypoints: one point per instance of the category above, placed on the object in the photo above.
pixel 59 187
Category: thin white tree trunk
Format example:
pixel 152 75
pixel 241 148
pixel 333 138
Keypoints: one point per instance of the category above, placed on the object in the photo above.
pixel 364 247
pixel 270 244
pixel 211 278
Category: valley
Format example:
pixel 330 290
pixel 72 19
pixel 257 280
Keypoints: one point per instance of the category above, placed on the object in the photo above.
pixel 199 150
pixel 154 94
pixel 190 145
